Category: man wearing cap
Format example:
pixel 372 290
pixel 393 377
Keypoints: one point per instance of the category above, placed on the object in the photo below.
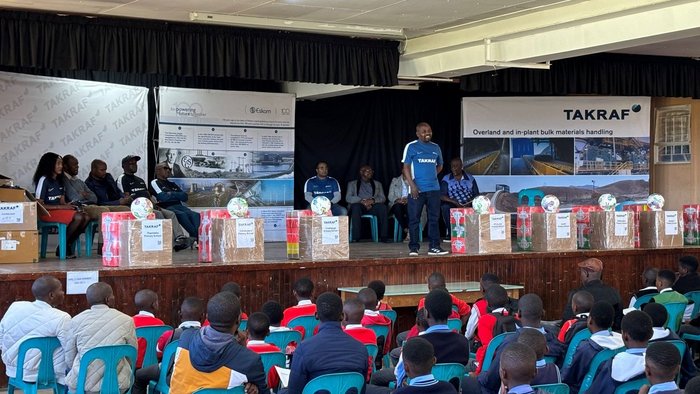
pixel 169 195
pixel 591 273
pixel 134 187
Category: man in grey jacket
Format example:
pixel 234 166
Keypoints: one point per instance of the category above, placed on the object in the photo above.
pixel 365 196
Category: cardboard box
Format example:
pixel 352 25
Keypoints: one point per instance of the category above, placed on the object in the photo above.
pixel 292 228
pixel 237 240
pixel 140 243
pixel 488 233
pixel 18 216
pixel 661 229
pixel 458 228
pixel 206 216
pixel 324 238
pixel 612 230
pixel 636 208
pixel 691 224
pixel 19 247
pixel 554 232
pixel 583 224
pixel 523 226
pixel 12 194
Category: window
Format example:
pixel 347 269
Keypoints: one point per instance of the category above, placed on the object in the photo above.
pixel 673 134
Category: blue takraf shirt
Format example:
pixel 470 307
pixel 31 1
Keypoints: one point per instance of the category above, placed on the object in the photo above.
pixel 423 157
pixel 322 187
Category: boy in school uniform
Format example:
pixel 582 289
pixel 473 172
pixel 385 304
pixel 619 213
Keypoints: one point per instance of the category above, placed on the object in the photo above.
pixel 649 278
pixel 235 288
pixel 664 281
pixel 371 317
pixel 303 290
pixel 547 373
pixel 353 312
pixel 419 358
pixel 517 369
pixel 146 302
pixel 662 365
pixel 581 304
pixel 258 328
pixel 379 287
pixel 497 299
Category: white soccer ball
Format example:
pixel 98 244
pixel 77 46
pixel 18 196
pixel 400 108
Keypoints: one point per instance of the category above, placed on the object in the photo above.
pixel 237 207
pixel 607 202
pixel 550 203
pixel 141 208
pixel 655 202
pixel 320 205
pixel 481 204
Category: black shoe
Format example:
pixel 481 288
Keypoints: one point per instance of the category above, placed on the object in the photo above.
pixel 437 251
pixel 180 246
pixel 413 253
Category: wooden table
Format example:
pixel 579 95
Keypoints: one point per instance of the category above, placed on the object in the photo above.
pixel 399 296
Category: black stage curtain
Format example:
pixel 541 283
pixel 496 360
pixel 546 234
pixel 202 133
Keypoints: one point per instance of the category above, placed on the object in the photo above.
pixel 608 74
pixel 47 41
pixel 371 128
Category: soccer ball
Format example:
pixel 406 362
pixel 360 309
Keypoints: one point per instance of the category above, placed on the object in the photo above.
pixel 655 202
pixel 481 204
pixel 141 208
pixel 550 203
pixel 237 207
pixel 607 202
pixel 320 205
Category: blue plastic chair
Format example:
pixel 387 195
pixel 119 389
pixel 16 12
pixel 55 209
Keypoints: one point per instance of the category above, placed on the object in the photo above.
pixel 531 194
pixel 553 388
pixel 46 378
pixel 232 390
pixel 632 385
pixel 379 331
pixel 373 226
pixel 449 372
pixel 681 346
pixel 282 339
pixel 578 337
pixel 335 383
pixel 243 325
pixel 391 314
pixel 44 228
pixel 162 386
pixel 695 297
pixel 151 334
pixel 675 314
pixel 111 356
pixel 308 322
pixel 372 350
pixel 454 324
pixel 491 350
pixel 599 358
pixel 89 238
pixel 644 300
pixel 270 359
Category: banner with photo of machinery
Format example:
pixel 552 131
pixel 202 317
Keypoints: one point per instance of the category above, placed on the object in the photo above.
pixel 225 144
pixel 90 120
pixel 576 148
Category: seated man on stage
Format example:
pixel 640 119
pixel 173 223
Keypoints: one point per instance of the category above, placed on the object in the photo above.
pixel 170 196
pixel 457 190
pixel 365 196
pixel 324 185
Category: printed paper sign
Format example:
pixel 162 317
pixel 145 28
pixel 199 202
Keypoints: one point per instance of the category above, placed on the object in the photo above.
pixel 671 222
pixel 245 233
pixel 563 223
pixel 497 225
pixel 11 214
pixel 77 282
pixel 151 235
pixel 8 244
pixel 621 224
pixel 330 230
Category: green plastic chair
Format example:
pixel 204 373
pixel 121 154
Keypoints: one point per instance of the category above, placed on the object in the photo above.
pixel 282 339
pixel 110 356
pixel 270 359
pixel 232 390
pixel 632 385
pixel 89 238
pixel 243 325
pixel 681 346
pixel 391 314
pixel 162 386
pixel 644 300
pixel 151 334
pixel 675 315
pixel 455 325
pixel 449 372
pixel 695 297
pixel 309 323
pixel 554 388
pixel 62 230
pixel 335 383
pixel 373 227
pixel 46 378
pixel 578 337
pixel 379 331
pixel 531 194
pixel 491 349
pixel 372 350
pixel 599 358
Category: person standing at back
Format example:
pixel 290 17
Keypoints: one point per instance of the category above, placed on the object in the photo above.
pixel 422 161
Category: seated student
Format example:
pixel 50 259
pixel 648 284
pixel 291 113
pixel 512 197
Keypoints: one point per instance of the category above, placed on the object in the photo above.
pixel 191 314
pixel 688 278
pixel 379 287
pixel 480 306
pixel 146 301
pixel 303 290
pixel 547 373
pixel 371 317
pixel 600 320
pixel 664 282
pixel 649 278
pixel 231 287
pixel 418 360
pixel 258 328
pixel 517 369
pixel 659 315
pixel 581 304
pixel 40 318
pixel 421 325
pixel 275 313
pixel 494 323
pixel 661 367
pixel 628 365
pixel 353 313
pixel 212 357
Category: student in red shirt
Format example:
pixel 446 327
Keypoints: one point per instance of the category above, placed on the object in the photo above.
pixel 480 306
pixel 497 298
pixel 258 328
pixel 303 290
pixel 146 302
pixel 581 304
pixel 371 317
pixel 379 288
pixel 354 311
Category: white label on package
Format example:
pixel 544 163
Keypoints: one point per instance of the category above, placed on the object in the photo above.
pixel 497 225
pixel 8 244
pixel 671 221
pixel 77 282
pixel 330 230
pixel 151 235
pixel 621 224
pixel 563 223
pixel 11 213
pixel 245 233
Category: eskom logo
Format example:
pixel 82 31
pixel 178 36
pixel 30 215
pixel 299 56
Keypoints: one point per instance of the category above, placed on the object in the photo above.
pixel 600 114
pixel 258 110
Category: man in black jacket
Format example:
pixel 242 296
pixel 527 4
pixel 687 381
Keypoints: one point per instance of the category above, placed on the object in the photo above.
pixel 688 279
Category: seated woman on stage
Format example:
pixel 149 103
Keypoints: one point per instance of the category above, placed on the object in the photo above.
pixel 50 191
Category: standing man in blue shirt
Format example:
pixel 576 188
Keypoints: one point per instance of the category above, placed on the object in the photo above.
pixel 324 185
pixel 422 161
pixel 457 190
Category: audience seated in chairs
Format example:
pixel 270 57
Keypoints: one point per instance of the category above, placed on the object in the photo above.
pixel 547 373
pixel 649 278
pixel 418 360
pixel 662 363
pixel 146 302
pixel 258 328
pixel 379 288
pixel 591 279
pixel 517 368
pixel 303 291
pixel 493 323
pixel 371 317
pixel 581 304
